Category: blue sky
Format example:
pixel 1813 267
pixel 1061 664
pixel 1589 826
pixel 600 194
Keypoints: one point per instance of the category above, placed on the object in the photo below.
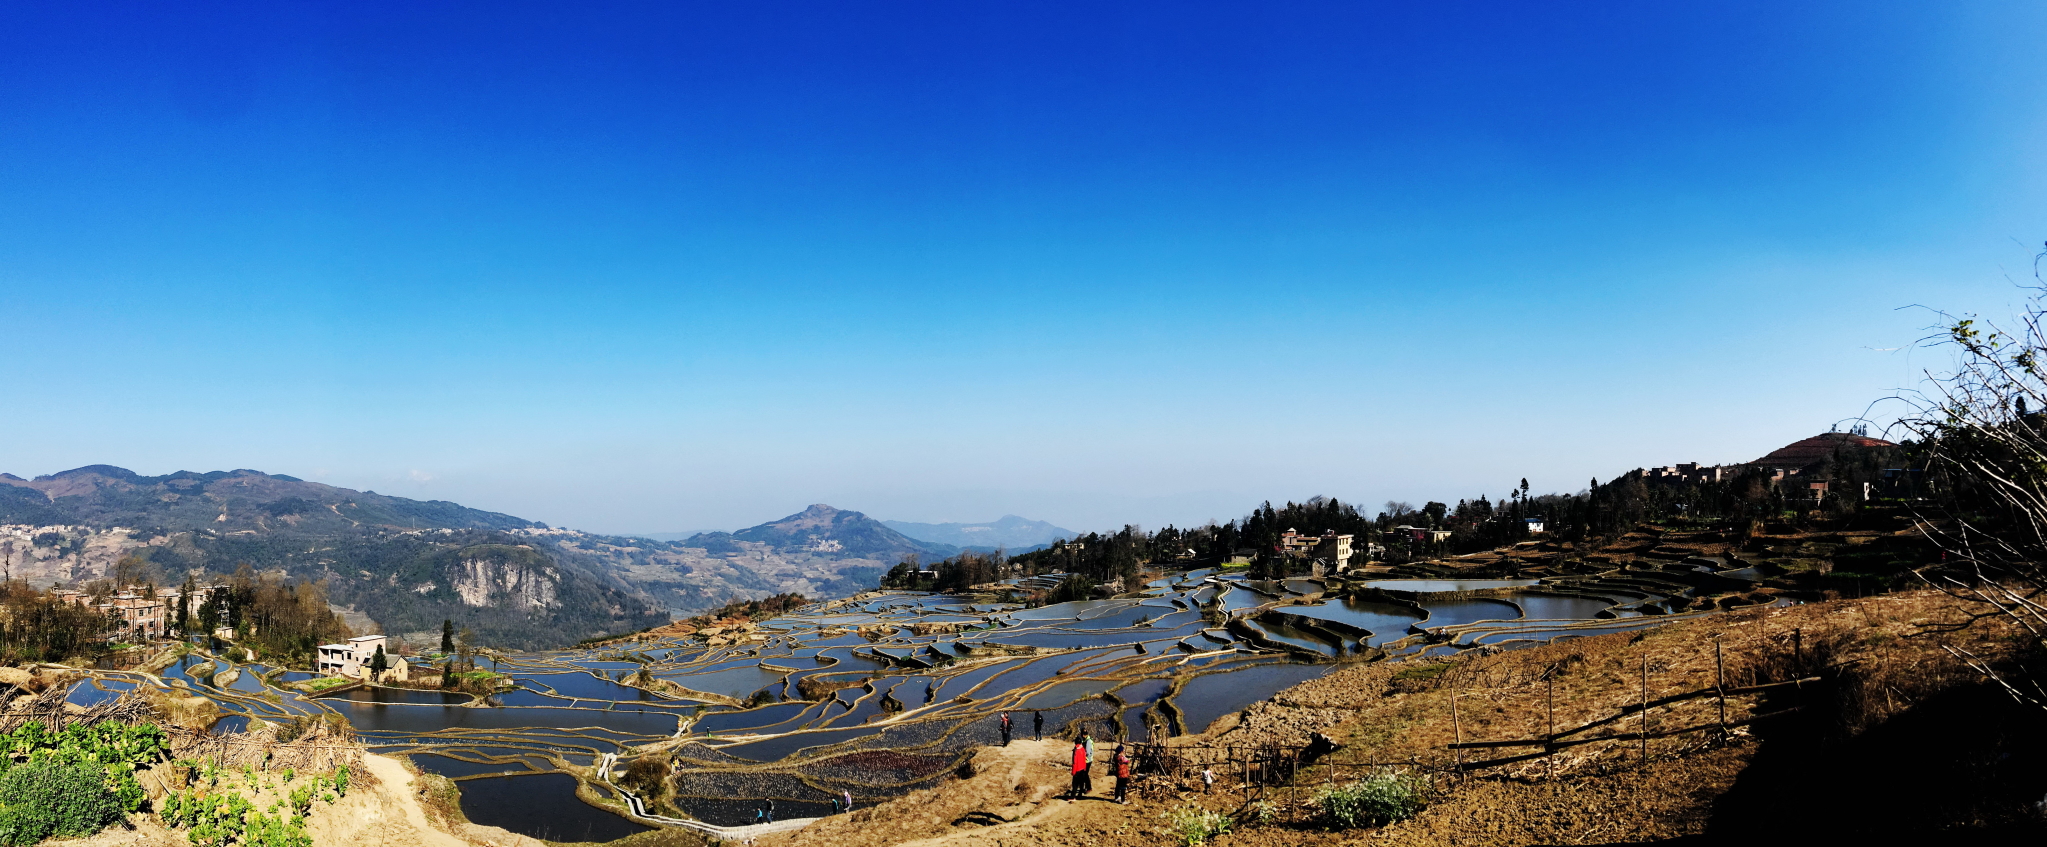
pixel 665 266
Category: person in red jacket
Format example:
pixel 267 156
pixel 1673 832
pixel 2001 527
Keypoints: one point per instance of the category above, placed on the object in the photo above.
pixel 1122 775
pixel 1081 783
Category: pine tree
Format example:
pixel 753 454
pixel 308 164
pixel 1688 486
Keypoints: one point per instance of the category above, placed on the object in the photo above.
pixel 447 636
pixel 185 608
pixel 379 664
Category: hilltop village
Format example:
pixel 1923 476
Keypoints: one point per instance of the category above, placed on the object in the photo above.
pixel 1830 490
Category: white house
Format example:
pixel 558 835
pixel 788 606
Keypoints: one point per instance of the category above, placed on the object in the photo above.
pixel 348 659
pixel 1534 526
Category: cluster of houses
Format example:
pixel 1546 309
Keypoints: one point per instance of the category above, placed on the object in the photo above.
pixel 1798 468
pixel 140 612
pixel 144 613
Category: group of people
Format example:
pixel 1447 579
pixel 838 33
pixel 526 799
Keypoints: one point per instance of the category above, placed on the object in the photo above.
pixel 1083 769
pixel 1037 727
pixel 765 812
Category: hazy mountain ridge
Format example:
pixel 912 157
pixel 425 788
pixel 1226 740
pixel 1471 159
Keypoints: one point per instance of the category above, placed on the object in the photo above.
pixel 410 563
pixel 819 552
pixel 227 501
pixel 1010 532
pixel 406 563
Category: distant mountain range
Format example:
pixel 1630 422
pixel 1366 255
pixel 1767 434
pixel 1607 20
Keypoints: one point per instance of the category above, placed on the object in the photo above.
pixel 672 536
pixel 407 564
pixel 1010 533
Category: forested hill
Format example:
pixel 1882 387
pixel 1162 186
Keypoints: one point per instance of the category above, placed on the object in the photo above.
pixel 408 564
pixel 224 501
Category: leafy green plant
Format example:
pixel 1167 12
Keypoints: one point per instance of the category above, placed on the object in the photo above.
pixel 1374 801
pixel 1193 825
pixel 302 798
pixel 54 798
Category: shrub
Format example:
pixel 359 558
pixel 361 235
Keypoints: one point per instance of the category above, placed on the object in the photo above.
pixel 1373 801
pixel 51 798
pixel 1193 825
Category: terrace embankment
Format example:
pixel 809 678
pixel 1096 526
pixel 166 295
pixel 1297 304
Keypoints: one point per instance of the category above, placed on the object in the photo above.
pixel 1879 731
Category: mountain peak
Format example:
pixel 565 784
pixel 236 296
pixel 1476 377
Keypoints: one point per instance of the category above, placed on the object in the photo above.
pixel 1010 531
pixel 109 471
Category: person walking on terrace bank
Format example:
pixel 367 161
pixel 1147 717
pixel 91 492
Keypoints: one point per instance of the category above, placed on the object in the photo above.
pixel 1081 786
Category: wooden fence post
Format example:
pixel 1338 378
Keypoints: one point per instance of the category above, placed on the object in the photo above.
pixel 1549 737
pixel 1456 729
pixel 1294 781
pixel 1720 683
pixel 1645 707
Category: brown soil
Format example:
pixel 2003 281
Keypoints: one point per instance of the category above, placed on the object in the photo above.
pixel 1891 702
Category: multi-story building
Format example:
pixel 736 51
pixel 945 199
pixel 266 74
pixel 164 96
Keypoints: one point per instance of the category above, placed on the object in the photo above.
pixel 1329 547
pixel 135 616
pixel 348 658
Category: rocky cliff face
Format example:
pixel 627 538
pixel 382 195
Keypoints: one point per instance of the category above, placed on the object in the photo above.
pixel 62 553
pixel 485 577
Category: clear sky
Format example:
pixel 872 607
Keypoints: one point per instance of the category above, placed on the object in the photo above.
pixel 667 266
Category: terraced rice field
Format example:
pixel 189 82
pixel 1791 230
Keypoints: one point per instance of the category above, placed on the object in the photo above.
pixel 902 710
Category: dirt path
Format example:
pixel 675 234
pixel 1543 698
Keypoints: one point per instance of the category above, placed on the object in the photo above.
pixel 1012 800
pixel 390 814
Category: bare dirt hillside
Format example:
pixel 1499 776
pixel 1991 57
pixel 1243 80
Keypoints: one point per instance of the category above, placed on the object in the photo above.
pixel 1883 732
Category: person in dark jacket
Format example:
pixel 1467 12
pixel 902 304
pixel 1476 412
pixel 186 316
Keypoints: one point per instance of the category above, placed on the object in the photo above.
pixel 1005 729
pixel 1037 726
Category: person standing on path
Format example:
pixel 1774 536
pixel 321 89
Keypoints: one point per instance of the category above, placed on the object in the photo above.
pixel 847 794
pixel 1122 775
pixel 1080 787
pixel 1037 726
pixel 1005 729
pixel 1207 778
pixel 1088 741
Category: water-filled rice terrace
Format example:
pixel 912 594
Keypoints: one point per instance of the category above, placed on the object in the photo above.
pixel 889 692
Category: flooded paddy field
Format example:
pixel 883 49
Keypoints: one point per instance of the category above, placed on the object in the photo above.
pixel 890 692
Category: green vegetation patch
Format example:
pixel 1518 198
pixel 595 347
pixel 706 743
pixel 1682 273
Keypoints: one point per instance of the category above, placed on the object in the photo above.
pixel 1422 673
pixel 1374 801
pixel 71 782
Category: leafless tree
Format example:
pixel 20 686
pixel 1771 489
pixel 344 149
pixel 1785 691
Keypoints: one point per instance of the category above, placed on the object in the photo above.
pixel 1983 428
